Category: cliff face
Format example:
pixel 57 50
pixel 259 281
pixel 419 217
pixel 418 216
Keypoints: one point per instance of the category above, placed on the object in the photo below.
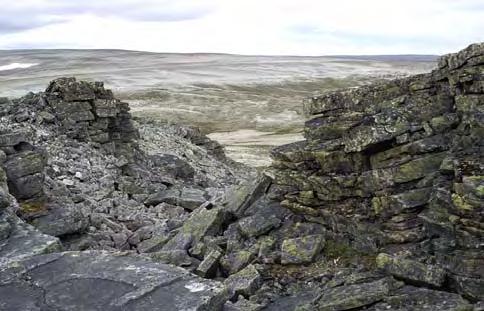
pixel 397 168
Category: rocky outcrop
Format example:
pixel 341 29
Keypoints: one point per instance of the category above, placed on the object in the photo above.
pixel 80 170
pixel 75 175
pixel 397 167
pixel 87 111
pixel 380 208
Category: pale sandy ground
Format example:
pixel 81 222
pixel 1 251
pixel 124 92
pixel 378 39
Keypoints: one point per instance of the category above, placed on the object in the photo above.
pixel 252 147
pixel 248 103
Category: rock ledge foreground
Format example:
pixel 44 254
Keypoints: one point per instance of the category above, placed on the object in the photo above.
pixel 380 208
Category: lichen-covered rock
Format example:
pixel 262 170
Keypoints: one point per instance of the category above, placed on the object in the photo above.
pixel 244 282
pixel 80 172
pixel 202 222
pixel 301 250
pixel 236 261
pixel 415 298
pixel 396 167
pixel 178 258
pixel 352 296
pixel 411 270
pixel 208 267
pixel 256 225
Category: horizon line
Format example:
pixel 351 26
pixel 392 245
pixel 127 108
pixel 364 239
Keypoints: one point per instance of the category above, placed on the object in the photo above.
pixel 217 53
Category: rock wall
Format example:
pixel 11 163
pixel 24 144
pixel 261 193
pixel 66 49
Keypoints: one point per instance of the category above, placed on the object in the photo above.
pixel 397 168
pixel 87 111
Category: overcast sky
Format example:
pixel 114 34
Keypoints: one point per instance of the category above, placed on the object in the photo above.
pixel 296 27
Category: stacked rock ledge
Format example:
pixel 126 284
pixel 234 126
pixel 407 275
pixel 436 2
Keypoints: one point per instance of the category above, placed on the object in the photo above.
pixel 397 168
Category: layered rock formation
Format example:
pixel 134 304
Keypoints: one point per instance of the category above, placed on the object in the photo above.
pixel 398 168
pixel 380 208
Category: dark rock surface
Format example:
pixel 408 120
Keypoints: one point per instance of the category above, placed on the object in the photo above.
pixel 96 280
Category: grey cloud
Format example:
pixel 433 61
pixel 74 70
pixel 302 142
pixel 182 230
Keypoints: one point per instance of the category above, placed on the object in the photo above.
pixel 42 13
pixel 13 24
pixel 144 10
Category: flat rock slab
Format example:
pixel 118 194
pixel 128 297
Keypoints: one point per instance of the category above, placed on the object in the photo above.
pixel 352 296
pixel 415 298
pixel 23 240
pixel 96 280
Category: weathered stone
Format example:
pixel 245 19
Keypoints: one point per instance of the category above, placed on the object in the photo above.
pixel 202 222
pixel 233 237
pixel 178 258
pixel 414 298
pixel 23 164
pixel 112 282
pixel 61 220
pixel 236 261
pixel 394 167
pixel 189 198
pixel 301 250
pixel 11 139
pixel 412 271
pixel 239 198
pixel 157 198
pixel 22 240
pixel 470 287
pixel 406 201
pixel 242 304
pixel 457 60
pixel 105 108
pixel 174 165
pixel 46 117
pixel 208 267
pixel 266 249
pixel 154 244
pixel 256 225
pixel 352 296
pixel 27 187
pixel 71 90
pixel 418 168
pixel 3 158
pixel 4 196
pixel 244 282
